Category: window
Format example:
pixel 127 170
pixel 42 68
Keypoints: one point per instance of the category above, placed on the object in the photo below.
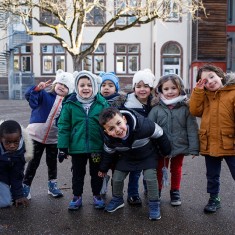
pixel 96 62
pixel 173 11
pixel 48 17
pixel 127 58
pixel 23 59
pixel 97 15
pixel 53 57
pixel 54 6
pixel 171 54
pixel 119 4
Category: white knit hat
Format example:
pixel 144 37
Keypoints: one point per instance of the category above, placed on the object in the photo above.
pixel 144 75
pixel 65 78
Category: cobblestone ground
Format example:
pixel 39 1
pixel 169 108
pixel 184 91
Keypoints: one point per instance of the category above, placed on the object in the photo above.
pixel 46 215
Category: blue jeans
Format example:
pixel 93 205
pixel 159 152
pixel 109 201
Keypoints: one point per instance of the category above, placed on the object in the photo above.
pixel 133 184
pixel 5 195
pixel 213 169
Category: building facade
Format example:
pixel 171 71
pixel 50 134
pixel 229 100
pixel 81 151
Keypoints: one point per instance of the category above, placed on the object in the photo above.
pixel 175 45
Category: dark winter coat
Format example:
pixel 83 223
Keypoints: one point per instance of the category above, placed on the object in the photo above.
pixel 12 165
pixel 137 152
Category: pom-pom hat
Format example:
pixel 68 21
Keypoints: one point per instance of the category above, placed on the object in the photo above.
pixel 65 78
pixel 111 77
pixel 144 75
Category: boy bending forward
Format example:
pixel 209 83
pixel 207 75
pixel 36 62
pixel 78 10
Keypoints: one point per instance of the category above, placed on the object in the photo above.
pixel 130 134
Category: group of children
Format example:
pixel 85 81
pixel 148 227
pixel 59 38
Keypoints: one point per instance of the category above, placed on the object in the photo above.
pixel 86 117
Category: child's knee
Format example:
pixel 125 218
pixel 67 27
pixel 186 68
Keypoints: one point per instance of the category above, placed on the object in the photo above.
pixel 5 195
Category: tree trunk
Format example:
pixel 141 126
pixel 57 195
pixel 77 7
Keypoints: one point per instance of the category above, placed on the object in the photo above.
pixel 77 63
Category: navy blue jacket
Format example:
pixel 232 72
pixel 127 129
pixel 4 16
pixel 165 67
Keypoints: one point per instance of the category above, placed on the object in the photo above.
pixel 12 170
pixel 137 151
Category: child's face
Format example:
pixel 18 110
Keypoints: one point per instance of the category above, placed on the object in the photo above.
pixel 61 89
pixel 142 91
pixel 116 127
pixel 11 141
pixel 170 90
pixel 85 88
pixel 107 88
pixel 212 81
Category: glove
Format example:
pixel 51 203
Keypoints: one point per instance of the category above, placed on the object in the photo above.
pixel 63 154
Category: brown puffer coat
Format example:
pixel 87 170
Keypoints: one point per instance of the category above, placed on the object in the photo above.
pixel 217 112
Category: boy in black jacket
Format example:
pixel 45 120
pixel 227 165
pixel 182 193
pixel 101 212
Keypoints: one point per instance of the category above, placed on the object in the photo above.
pixel 130 134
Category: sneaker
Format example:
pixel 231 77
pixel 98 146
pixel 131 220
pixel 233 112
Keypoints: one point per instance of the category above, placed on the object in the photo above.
pixel 134 201
pixel 98 202
pixel 175 198
pixel 53 190
pixel 114 204
pixel 26 191
pixel 75 204
pixel 154 210
pixel 212 205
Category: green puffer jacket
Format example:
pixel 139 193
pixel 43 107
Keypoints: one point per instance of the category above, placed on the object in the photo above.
pixel 78 131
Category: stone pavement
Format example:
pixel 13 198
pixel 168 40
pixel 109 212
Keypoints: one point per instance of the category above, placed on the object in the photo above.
pixel 46 215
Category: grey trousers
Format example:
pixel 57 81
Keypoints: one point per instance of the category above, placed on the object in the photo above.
pixel 150 176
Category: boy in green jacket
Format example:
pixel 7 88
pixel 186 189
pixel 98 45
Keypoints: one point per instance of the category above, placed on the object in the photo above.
pixel 79 136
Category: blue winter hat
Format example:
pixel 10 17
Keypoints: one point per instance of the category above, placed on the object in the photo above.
pixel 111 77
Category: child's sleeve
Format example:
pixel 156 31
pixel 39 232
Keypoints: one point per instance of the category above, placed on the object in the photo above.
pixel 17 175
pixel 108 157
pixel 193 138
pixel 64 127
pixel 34 97
pixel 163 144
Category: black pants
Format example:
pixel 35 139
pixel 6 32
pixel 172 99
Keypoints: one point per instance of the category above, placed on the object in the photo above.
pixel 213 169
pixel 79 162
pixel 51 161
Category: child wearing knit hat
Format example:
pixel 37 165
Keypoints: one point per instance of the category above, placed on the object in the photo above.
pixel 109 89
pixel 139 100
pixel 79 136
pixel 46 107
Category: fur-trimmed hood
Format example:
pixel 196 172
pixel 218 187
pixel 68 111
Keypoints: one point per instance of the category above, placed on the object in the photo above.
pixel 28 155
pixel 229 79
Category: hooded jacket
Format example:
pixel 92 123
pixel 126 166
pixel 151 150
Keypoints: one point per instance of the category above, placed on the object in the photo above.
pixel 136 152
pixel 46 107
pixel 12 164
pixel 79 132
pixel 217 112
pixel 179 125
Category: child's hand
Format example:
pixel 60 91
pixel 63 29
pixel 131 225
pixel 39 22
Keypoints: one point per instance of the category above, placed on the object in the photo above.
pixel 22 201
pixel 61 156
pixel 102 174
pixel 201 83
pixel 43 85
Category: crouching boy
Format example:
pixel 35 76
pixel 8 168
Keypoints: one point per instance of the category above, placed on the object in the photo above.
pixel 129 134
pixel 16 148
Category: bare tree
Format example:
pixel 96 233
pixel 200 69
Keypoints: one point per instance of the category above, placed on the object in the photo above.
pixel 72 16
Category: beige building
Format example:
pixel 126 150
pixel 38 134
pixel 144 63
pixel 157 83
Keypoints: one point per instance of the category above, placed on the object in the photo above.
pixel 162 46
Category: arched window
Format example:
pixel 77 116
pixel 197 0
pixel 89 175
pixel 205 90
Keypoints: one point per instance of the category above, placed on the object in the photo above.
pixel 171 58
